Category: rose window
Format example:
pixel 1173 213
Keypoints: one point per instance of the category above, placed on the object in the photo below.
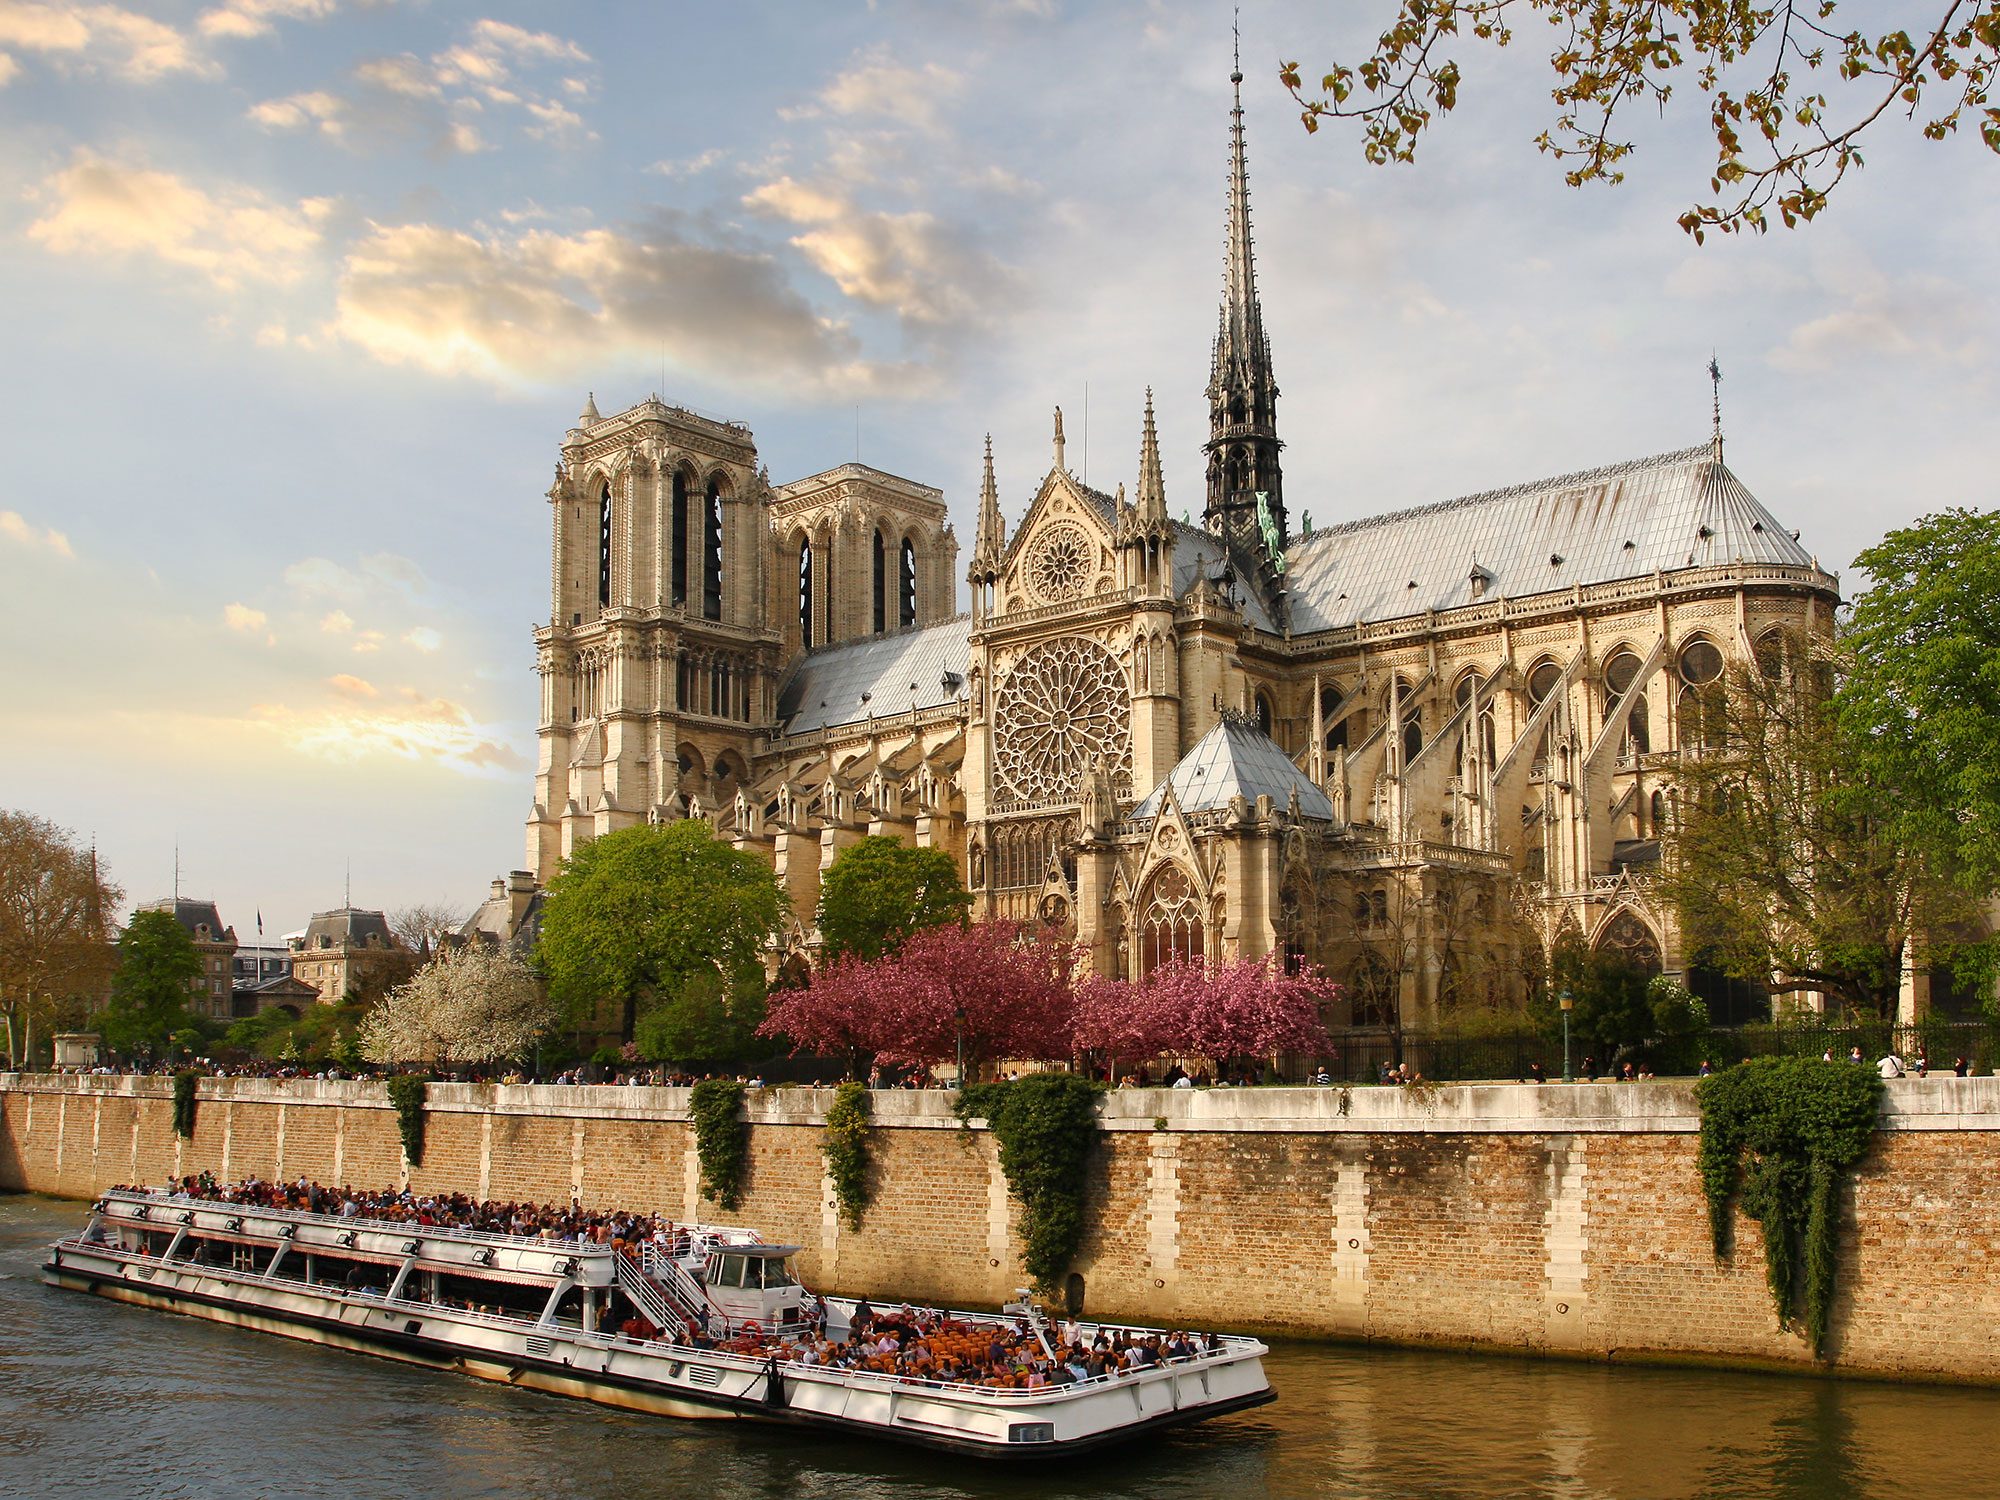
pixel 1062 709
pixel 1060 562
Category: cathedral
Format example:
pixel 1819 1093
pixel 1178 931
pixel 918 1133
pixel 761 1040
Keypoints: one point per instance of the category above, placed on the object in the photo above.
pixel 1414 748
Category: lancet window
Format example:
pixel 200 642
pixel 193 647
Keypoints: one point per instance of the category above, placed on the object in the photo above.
pixel 1172 925
pixel 711 554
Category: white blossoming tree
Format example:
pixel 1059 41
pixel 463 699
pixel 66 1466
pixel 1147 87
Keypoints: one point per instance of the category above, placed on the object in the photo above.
pixel 467 1005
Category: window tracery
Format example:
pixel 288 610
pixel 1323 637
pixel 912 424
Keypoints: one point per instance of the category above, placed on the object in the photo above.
pixel 1062 708
pixel 1060 562
pixel 1172 927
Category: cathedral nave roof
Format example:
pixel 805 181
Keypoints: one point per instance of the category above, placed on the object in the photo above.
pixel 1236 757
pixel 1676 510
pixel 879 675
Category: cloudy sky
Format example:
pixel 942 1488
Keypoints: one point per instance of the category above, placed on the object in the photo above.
pixel 301 294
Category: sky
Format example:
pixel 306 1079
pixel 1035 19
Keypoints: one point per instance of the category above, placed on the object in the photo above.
pixel 300 296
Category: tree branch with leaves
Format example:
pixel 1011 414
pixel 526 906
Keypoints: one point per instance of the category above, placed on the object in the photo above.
pixel 1784 140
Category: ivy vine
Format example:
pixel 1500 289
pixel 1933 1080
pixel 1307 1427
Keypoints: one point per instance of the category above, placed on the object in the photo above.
pixel 184 1101
pixel 1777 1134
pixel 406 1092
pixel 721 1138
pixel 1046 1125
pixel 845 1146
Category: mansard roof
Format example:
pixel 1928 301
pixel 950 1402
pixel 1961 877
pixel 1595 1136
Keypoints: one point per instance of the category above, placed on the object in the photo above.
pixel 879 675
pixel 349 926
pixel 201 918
pixel 1628 520
pixel 1236 757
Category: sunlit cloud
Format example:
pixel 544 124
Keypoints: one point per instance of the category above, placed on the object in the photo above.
pixel 336 622
pixel 422 729
pixel 350 686
pixel 243 619
pixel 537 305
pixel 877 85
pixel 93 38
pixel 316 108
pixel 18 528
pixel 247 18
pixel 423 638
pixel 101 207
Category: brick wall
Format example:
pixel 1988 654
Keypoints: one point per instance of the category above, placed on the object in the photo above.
pixel 1557 1220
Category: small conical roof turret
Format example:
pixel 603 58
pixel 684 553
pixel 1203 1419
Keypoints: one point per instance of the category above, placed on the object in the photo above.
pixel 1150 509
pixel 990 540
pixel 589 413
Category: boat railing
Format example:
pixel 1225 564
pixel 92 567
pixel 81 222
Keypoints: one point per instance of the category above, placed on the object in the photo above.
pixel 750 1363
pixel 361 1221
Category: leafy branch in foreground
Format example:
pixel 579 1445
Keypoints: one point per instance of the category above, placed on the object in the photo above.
pixel 1782 143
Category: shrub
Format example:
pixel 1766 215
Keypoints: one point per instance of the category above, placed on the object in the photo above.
pixel 406 1092
pixel 1046 1125
pixel 845 1146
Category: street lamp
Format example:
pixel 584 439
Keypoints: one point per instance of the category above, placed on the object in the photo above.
pixel 1568 1003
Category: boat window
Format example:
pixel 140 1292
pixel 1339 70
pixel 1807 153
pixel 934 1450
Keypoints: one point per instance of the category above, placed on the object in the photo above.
pixel 775 1274
pixel 726 1271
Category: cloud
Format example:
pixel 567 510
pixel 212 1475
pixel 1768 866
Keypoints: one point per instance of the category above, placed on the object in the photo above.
pixel 298 110
pixel 9 70
pixel 350 686
pixel 246 18
pixel 368 643
pixel 17 528
pixel 691 167
pixel 337 622
pixel 906 263
pixel 103 207
pixel 423 639
pixel 537 305
pixel 1866 315
pixel 422 729
pixel 91 38
pixel 878 86
pixel 244 620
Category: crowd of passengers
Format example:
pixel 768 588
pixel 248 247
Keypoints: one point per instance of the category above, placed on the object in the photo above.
pixel 919 1345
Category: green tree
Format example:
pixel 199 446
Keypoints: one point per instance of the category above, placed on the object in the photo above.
pixel 704 1022
pixel 635 915
pixel 1610 1009
pixel 1791 856
pixel 55 952
pixel 157 964
pixel 1920 700
pixel 1782 138
pixel 880 891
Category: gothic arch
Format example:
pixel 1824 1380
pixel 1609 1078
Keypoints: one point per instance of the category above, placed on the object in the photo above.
pixel 1172 917
pixel 1627 934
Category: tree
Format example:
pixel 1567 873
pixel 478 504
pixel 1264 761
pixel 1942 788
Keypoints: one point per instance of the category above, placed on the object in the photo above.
pixel 1920 697
pixel 999 990
pixel 1790 857
pixel 426 924
pixel 703 1023
pixel 157 963
pixel 471 1003
pixel 1781 141
pixel 54 949
pixel 1236 1008
pixel 880 891
pixel 636 914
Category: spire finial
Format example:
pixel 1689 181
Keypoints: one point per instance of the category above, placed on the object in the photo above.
pixel 1059 438
pixel 1715 381
pixel 1236 49
pixel 1152 499
pixel 991 535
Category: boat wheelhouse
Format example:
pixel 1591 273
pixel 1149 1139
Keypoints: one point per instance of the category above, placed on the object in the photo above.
pixel 705 1321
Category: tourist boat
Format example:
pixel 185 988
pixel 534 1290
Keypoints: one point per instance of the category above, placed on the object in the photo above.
pixel 546 1315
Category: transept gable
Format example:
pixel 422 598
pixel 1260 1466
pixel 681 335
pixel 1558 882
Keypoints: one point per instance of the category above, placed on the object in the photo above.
pixel 1062 551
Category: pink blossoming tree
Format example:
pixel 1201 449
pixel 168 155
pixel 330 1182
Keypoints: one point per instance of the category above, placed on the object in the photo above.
pixel 1237 1008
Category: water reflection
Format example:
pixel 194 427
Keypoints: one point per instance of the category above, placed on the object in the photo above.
pixel 96 1398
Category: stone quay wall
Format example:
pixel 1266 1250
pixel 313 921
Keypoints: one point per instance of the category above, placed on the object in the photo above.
pixel 1564 1220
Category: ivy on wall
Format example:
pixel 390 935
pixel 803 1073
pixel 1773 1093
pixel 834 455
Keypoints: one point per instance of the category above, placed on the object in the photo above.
pixel 1046 1125
pixel 184 1102
pixel 406 1092
pixel 1777 1135
pixel 721 1138
pixel 844 1142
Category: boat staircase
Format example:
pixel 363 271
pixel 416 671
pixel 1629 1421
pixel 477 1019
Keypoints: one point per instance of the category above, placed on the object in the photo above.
pixel 666 1296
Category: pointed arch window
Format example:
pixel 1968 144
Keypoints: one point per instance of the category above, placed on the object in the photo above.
pixel 1413 740
pixel 680 542
pixel 906 610
pixel 711 553
pixel 604 548
pixel 1172 927
pixel 806 592
pixel 1330 699
pixel 881 583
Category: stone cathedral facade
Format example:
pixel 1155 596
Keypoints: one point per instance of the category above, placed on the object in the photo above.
pixel 1408 746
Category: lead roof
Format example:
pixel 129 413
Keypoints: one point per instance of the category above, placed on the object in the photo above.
pixel 1236 758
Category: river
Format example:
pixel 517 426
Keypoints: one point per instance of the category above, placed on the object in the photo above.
pixel 102 1399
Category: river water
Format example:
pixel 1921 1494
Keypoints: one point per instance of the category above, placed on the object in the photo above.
pixel 102 1399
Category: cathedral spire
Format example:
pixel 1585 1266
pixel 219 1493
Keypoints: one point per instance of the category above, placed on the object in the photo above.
pixel 991 537
pixel 1246 501
pixel 1151 508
